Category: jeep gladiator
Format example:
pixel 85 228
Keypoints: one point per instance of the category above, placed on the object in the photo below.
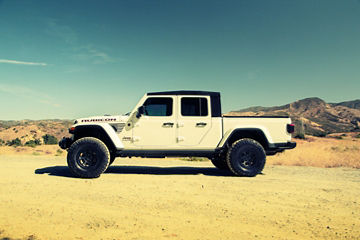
pixel 177 124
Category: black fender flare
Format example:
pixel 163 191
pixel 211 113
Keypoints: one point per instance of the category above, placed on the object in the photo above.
pixel 95 131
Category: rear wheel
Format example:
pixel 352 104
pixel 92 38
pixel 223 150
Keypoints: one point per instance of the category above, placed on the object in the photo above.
pixel 246 157
pixel 88 157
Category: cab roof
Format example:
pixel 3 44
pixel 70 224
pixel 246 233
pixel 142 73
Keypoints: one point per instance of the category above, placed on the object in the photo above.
pixel 186 92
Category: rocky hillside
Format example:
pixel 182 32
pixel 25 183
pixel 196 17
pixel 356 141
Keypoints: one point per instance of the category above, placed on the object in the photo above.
pixel 313 115
pixel 351 104
pixel 27 130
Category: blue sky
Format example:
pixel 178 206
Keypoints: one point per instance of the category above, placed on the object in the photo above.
pixel 69 59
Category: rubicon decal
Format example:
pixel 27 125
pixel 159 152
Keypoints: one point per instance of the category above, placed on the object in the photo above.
pixel 99 120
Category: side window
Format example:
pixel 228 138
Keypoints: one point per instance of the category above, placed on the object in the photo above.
pixel 158 106
pixel 191 106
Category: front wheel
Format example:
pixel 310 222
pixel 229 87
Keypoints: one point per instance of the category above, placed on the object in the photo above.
pixel 88 157
pixel 246 157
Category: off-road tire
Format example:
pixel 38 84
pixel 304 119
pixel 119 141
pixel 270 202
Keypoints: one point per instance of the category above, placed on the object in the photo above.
pixel 88 157
pixel 246 157
pixel 220 163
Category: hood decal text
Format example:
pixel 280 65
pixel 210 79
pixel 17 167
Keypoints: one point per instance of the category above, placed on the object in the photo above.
pixel 99 120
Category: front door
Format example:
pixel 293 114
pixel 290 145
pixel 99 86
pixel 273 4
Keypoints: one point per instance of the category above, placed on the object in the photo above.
pixel 156 129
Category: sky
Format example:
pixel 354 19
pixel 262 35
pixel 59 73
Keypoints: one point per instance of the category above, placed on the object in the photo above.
pixel 77 58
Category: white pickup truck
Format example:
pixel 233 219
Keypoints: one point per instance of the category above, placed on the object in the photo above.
pixel 177 124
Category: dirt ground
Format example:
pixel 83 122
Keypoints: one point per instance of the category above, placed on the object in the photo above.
pixel 172 199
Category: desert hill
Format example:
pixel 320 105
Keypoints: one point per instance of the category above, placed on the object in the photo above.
pixel 27 130
pixel 313 115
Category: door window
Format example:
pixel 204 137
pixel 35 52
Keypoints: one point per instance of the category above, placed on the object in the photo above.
pixel 158 106
pixel 191 106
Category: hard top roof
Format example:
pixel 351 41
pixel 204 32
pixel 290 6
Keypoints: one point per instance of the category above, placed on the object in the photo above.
pixel 186 92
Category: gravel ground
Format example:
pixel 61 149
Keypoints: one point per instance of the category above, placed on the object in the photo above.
pixel 173 199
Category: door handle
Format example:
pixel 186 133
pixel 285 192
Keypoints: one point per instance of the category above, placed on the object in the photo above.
pixel 168 124
pixel 200 124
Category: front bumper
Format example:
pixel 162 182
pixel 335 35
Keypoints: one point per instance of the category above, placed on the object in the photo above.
pixel 65 143
pixel 279 147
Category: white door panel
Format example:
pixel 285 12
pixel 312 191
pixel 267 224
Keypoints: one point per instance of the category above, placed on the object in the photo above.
pixel 192 130
pixel 156 129
pixel 194 120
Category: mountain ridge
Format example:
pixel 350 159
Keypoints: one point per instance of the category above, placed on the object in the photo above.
pixel 351 104
pixel 313 115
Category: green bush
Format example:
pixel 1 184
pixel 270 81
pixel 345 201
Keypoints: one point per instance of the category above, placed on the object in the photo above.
pixel 33 143
pixel 320 134
pixel 49 139
pixel 300 136
pixel 15 142
pixel 357 136
pixel 2 142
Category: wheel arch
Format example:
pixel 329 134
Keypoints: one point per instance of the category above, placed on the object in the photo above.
pixel 254 133
pixel 104 133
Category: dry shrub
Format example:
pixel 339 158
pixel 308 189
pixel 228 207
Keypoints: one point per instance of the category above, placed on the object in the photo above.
pixel 321 152
pixel 39 150
pixel 20 149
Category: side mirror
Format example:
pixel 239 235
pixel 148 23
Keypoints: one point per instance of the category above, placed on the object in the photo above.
pixel 140 111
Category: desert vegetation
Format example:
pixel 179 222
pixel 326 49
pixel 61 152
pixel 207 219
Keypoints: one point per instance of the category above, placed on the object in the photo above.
pixel 47 140
pixel 33 133
pixel 33 143
pixel 342 150
pixel 15 142
pixel 333 151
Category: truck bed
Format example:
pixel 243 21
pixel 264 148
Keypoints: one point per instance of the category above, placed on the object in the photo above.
pixel 274 127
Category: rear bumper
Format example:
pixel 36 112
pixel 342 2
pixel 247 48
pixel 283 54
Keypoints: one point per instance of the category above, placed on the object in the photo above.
pixel 65 143
pixel 279 147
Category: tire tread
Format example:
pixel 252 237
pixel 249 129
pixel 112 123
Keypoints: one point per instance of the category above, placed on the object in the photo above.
pixel 91 174
pixel 236 145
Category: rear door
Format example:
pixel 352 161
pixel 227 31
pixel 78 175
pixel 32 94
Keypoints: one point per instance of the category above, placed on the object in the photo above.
pixel 194 120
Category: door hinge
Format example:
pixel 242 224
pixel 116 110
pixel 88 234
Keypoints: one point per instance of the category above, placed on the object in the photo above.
pixel 180 124
pixel 180 139
pixel 136 139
